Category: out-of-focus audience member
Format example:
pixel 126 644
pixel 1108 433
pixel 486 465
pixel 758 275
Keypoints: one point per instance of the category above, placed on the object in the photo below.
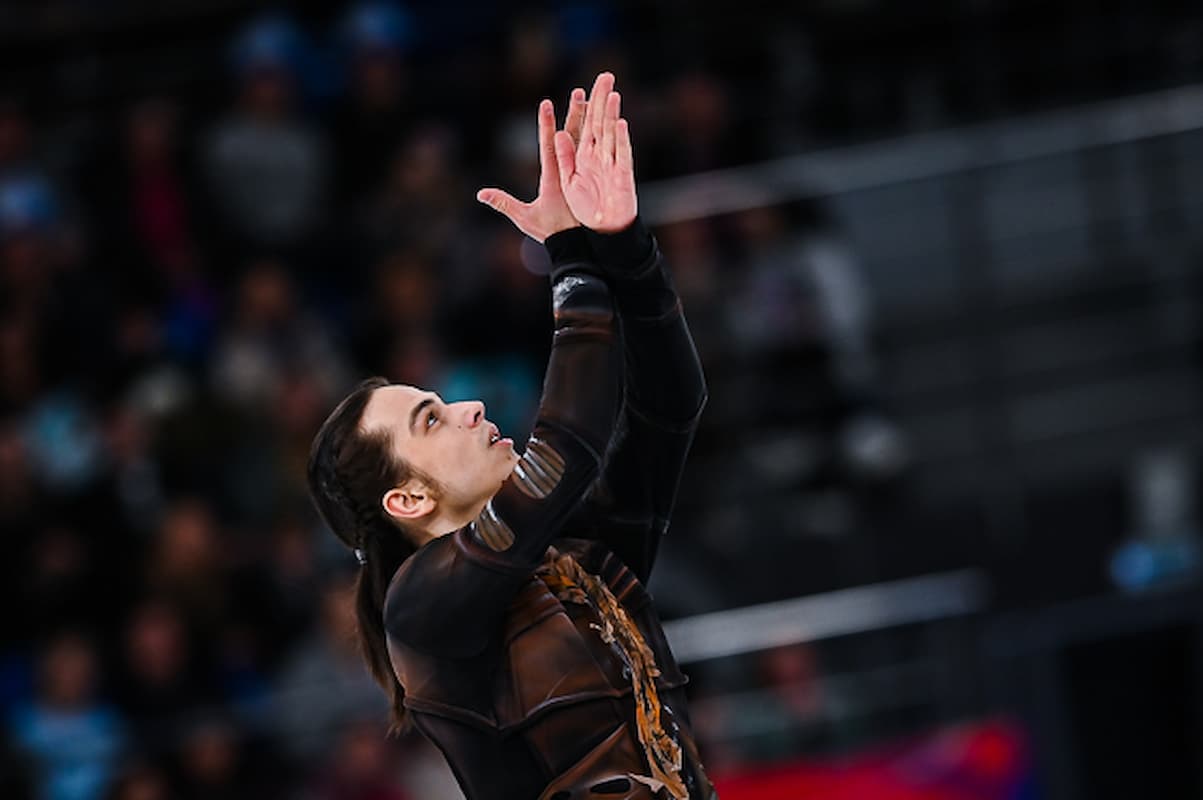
pixel 73 737
pixel 215 763
pixel 267 168
pixel 323 684
pixel 140 780
pixel 378 106
pixel 270 336
pixel 158 680
pixel 362 766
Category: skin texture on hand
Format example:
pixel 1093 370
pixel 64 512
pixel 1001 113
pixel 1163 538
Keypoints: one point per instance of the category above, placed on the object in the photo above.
pixel 597 175
pixel 586 173
pixel 548 213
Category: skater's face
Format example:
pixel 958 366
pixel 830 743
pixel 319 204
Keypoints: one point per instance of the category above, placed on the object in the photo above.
pixel 453 443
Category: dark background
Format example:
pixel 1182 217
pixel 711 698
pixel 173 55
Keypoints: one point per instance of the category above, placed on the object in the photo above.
pixel 941 263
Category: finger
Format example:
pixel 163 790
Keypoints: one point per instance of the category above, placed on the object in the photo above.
pixel 547 148
pixel 613 104
pixel 575 117
pixel 565 157
pixel 597 100
pixel 624 158
pixel 503 203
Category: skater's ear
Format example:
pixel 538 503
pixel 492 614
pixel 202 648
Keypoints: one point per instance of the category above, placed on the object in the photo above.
pixel 409 502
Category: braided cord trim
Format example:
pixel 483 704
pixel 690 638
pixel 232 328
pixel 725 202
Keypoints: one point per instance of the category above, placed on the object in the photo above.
pixel 573 584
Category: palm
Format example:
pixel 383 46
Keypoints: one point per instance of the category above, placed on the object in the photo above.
pixel 587 173
pixel 600 194
pixel 597 172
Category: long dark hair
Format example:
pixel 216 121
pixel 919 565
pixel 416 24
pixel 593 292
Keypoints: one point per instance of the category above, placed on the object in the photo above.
pixel 349 472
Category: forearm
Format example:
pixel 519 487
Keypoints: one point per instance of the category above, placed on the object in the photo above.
pixel 665 382
pixel 582 388
pixel 582 398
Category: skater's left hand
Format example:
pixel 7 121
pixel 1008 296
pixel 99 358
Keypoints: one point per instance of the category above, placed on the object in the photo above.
pixel 597 171
pixel 549 212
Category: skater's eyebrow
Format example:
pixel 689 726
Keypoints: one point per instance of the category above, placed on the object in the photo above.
pixel 413 415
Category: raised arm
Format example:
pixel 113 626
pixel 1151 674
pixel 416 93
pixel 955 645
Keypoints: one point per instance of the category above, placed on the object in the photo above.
pixel 665 394
pixel 665 389
pixel 449 597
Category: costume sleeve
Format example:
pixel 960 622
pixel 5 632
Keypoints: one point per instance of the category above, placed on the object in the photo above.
pixel 450 597
pixel 665 394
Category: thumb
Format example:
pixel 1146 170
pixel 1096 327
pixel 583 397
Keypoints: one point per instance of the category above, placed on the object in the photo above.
pixel 502 202
pixel 565 157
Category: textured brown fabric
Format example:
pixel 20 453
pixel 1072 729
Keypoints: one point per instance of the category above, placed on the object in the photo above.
pixel 580 660
pixel 571 584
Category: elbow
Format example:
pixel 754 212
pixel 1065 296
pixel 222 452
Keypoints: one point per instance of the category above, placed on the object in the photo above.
pixel 582 304
pixel 583 388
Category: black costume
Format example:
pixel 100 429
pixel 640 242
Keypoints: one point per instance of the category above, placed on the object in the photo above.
pixel 527 644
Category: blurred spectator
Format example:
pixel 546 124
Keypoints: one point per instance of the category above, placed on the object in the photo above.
pixel 145 218
pixel 20 501
pixel 531 63
pixel 15 153
pixel 700 280
pixel 699 132
pixel 324 684
pixel 500 335
pixel 46 294
pixel 19 492
pixel 270 336
pixel 21 365
pixel 61 580
pixel 266 168
pixel 300 403
pixel 135 475
pixel 186 567
pixel 64 440
pixel 379 108
pixel 241 671
pixel 405 304
pixel 509 310
pixel 73 738
pixel 363 766
pixel 216 763
pixel 159 678
pixel 140 781
pixel 156 197
pixel 283 599
pixel 417 359
pixel 421 204
pixel 803 305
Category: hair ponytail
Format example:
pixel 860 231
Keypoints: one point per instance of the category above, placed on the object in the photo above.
pixel 349 472
pixel 384 556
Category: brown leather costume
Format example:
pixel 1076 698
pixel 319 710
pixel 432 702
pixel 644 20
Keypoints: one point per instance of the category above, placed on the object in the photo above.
pixel 529 649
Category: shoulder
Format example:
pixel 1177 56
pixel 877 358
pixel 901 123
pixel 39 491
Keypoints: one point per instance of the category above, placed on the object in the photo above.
pixel 415 585
pixel 452 582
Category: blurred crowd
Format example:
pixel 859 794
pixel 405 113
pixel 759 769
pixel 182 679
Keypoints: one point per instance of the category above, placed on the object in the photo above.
pixel 185 296
pixel 194 269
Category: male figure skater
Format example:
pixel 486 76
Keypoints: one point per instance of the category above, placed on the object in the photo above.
pixel 501 600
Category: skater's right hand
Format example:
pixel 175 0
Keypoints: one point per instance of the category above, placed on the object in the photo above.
pixel 549 212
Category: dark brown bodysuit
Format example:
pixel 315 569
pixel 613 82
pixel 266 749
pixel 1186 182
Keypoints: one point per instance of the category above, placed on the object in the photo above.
pixel 529 649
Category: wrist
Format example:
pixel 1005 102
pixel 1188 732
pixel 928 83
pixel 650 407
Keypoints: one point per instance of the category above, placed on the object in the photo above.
pixel 567 246
pixel 624 252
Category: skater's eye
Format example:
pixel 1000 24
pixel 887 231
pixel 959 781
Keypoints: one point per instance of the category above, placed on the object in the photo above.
pixel 431 418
